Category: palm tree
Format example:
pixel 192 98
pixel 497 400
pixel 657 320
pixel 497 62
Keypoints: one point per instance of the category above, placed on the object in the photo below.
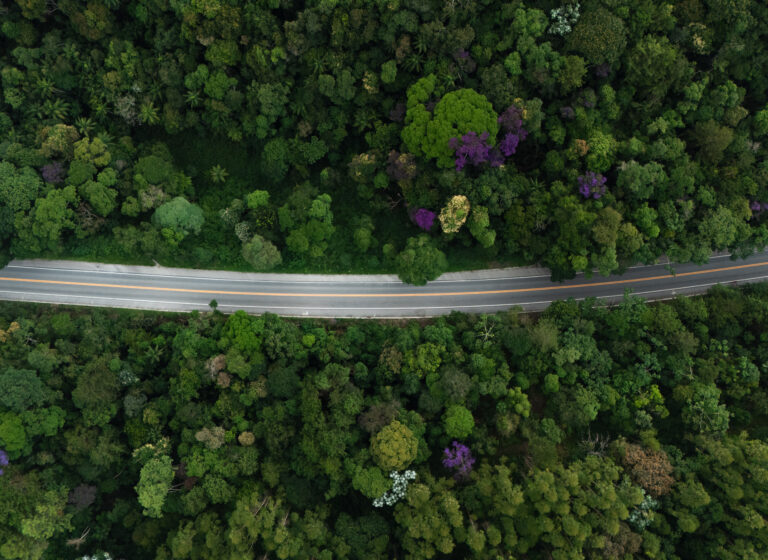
pixel 218 174
pixel 148 113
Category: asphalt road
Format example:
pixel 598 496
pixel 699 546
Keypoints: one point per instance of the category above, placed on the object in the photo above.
pixel 173 289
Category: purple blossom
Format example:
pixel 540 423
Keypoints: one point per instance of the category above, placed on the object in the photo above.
pixel 511 120
pixel 473 149
pixel 3 460
pixel 567 112
pixel 53 172
pixel 460 458
pixel 509 143
pixel 424 218
pixel 592 184
pixel 758 207
pixel 461 53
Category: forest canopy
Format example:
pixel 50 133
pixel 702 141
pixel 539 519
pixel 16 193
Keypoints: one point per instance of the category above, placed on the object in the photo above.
pixel 581 135
pixel 584 433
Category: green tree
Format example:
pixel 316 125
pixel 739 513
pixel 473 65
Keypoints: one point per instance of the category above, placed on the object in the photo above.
pixel 428 519
pixel 180 216
pixel 599 36
pixel 154 482
pixel 21 389
pixel 456 113
pixel 394 447
pixel 261 254
pixel 458 422
pixel 43 227
pixel 310 224
pixel 420 261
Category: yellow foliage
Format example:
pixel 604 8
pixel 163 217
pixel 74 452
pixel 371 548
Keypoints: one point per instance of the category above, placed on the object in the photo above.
pixel 455 213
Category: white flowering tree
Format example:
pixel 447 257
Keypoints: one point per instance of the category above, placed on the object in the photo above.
pixel 397 492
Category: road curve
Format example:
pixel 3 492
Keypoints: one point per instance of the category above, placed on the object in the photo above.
pixel 342 296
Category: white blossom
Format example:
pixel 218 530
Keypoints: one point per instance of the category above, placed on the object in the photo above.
pixel 399 486
pixel 564 18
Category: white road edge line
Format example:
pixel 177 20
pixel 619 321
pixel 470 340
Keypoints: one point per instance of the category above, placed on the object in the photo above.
pixel 266 307
pixel 352 281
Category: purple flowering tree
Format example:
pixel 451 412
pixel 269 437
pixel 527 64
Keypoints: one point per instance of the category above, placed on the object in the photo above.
pixel 511 123
pixel 591 184
pixel 424 218
pixel 460 458
pixel 476 150
pixel 53 172
pixel 3 461
pixel 471 148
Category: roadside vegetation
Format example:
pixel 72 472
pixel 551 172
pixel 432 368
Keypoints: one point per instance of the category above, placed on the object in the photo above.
pixel 586 432
pixel 408 136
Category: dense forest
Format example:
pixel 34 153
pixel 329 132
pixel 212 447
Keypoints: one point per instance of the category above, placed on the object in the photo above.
pixel 587 432
pixel 383 135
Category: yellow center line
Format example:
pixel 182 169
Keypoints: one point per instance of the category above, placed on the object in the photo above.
pixel 426 294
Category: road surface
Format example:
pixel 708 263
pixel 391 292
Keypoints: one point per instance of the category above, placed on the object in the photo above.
pixel 340 296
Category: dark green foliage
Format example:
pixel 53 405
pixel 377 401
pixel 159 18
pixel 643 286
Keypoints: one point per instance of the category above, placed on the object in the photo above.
pixel 420 261
pixel 595 431
pixel 135 104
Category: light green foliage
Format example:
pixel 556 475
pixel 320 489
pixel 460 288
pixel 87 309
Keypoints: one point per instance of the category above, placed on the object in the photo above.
pixel 80 171
pixel 257 199
pixel 602 147
pixel 180 216
pixel 479 226
pixel 58 141
pixel 458 422
pixel 428 519
pixel 13 437
pixel 261 254
pixel 154 482
pixel 310 224
pixel 370 481
pixel 420 261
pixel 389 71
pixel 641 181
pixel 394 447
pixel 101 198
pixel 572 510
pixel 703 412
pixel 723 506
pixel 18 187
pixel 217 84
pixel 43 227
pixel 35 512
pixel 92 151
pixel 362 236
pixel 458 112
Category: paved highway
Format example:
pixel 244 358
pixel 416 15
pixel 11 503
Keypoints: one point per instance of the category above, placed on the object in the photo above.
pixel 487 291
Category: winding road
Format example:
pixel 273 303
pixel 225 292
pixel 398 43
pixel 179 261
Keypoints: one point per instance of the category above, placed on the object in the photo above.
pixel 342 296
